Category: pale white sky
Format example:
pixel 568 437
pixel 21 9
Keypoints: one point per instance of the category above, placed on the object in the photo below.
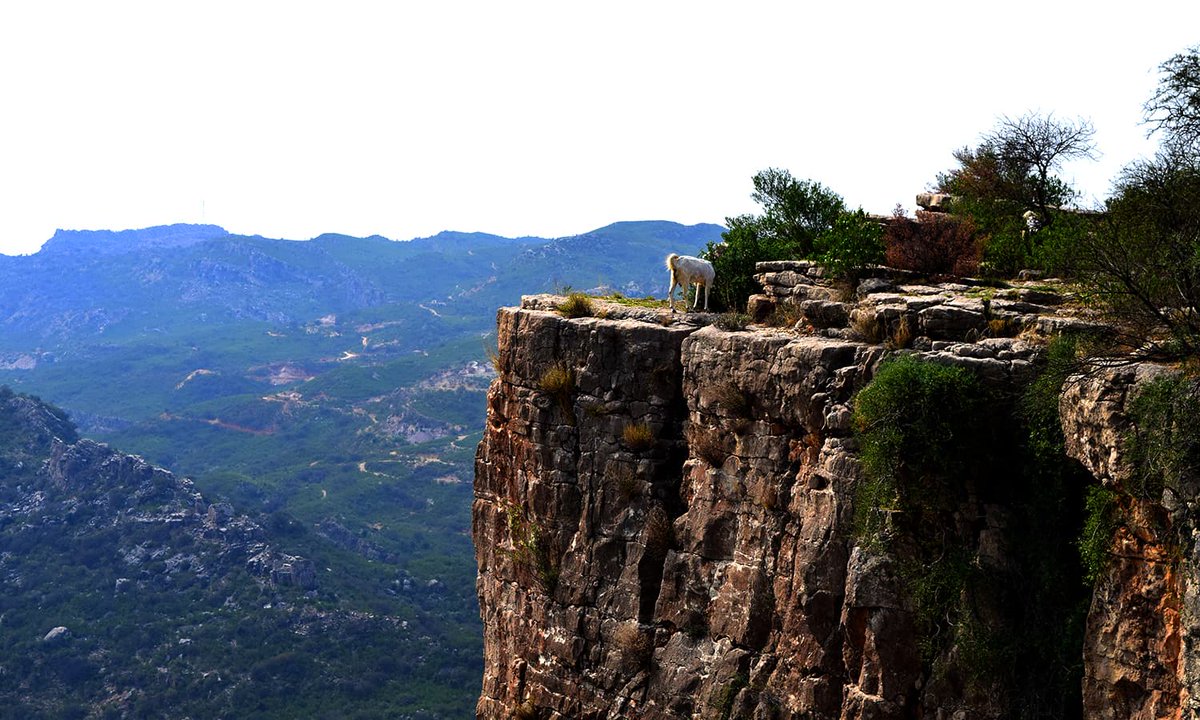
pixel 290 119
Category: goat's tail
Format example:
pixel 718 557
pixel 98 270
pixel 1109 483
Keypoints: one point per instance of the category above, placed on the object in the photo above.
pixel 671 261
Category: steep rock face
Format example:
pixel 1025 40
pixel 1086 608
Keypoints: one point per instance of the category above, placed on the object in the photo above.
pixel 712 573
pixel 566 512
pixel 1143 628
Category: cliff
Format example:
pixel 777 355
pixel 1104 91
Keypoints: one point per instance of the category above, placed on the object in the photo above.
pixel 665 518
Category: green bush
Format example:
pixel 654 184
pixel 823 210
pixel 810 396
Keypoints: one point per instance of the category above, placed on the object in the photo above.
pixel 1164 441
pixel 854 241
pixel 917 420
pixel 1098 529
pixel 938 448
pixel 795 213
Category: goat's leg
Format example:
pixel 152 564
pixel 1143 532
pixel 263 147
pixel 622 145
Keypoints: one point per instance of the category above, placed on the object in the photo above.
pixel 705 297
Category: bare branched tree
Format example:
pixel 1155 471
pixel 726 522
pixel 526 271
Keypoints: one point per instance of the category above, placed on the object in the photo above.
pixel 1038 146
pixel 1174 108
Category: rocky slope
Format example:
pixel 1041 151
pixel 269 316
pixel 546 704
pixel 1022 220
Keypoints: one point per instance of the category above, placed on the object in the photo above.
pixel 671 531
pixel 126 593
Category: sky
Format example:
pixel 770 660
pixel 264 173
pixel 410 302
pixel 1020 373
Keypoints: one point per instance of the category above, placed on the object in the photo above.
pixel 403 119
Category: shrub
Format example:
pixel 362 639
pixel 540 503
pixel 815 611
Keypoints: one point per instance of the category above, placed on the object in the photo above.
pixel 854 242
pixel 935 243
pixel 576 305
pixel 917 420
pixel 638 436
pixel 1163 439
pixel 795 212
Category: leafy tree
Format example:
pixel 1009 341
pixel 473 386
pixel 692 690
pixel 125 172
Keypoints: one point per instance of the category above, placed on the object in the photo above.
pixel 1013 171
pixel 1143 261
pixel 795 213
pixel 854 241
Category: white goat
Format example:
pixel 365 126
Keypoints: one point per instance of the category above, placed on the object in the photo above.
pixel 687 271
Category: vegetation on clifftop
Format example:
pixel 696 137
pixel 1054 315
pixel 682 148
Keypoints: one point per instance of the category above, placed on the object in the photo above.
pixel 947 463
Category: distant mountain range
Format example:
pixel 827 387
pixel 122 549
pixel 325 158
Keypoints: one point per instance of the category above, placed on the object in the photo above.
pixel 330 391
pixel 130 283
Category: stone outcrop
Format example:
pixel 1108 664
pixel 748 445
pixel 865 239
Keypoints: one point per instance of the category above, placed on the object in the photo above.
pixel 1143 630
pixel 664 513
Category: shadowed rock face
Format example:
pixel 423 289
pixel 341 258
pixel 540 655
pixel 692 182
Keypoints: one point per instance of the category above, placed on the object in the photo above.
pixel 1140 650
pixel 713 572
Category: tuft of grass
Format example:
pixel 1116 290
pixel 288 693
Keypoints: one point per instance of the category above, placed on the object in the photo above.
pixel 901 335
pixel 867 326
pixel 709 448
pixel 785 315
pixel 629 487
pixel 635 644
pixel 733 400
pixel 638 436
pixel 1003 327
pixel 493 356
pixel 576 305
pixel 659 534
pixel 649 301
pixel 558 382
pixel 732 322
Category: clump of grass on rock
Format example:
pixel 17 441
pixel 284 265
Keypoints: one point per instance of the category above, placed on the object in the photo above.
pixel 577 305
pixel 638 436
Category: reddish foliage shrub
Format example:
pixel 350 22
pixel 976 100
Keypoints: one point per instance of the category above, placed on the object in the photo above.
pixel 934 243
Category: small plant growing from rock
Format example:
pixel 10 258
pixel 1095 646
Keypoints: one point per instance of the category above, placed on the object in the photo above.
pixel 635 645
pixel 532 549
pixel 709 448
pixel 723 698
pixel 732 322
pixel 629 485
pixel 576 305
pixel 866 325
pixel 659 533
pixel 559 381
pixel 526 711
pixel 901 335
pixel 638 436
pixel 731 398
pixel 493 356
